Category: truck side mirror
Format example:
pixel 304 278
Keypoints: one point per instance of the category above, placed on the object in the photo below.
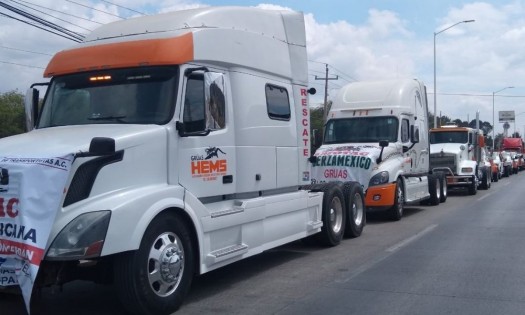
pixel 31 108
pixel 382 144
pixel 414 134
pixel 99 146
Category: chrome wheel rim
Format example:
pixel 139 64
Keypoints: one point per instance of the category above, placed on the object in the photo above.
pixel 358 209
pixel 336 215
pixel 165 264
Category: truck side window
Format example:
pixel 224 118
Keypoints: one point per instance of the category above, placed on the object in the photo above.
pixel 405 131
pixel 215 101
pixel 194 110
pixel 277 102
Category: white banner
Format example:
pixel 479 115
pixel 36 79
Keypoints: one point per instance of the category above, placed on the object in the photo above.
pixel 345 163
pixel 31 190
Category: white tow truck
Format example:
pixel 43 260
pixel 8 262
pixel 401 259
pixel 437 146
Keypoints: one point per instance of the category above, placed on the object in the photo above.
pixel 190 134
pixel 376 134
pixel 458 152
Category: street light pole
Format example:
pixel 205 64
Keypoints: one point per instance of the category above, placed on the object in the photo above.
pixel 435 91
pixel 493 125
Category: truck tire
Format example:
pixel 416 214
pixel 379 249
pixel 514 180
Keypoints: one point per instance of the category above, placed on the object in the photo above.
pixel 395 213
pixel 355 209
pixel 443 185
pixel 155 278
pixel 434 188
pixel 485 180
pixel 495 177
pixel 473 187
pixel 333 215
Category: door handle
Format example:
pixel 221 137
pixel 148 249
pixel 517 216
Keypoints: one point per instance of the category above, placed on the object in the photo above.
pixel 227 179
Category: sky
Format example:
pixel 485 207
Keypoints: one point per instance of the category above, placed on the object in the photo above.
pixel 476 62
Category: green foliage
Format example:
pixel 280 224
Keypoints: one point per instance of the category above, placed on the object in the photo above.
pixel 12 117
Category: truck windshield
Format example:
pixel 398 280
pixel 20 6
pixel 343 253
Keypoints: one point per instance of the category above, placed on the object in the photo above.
pixel 449 137
pixel 361 129
pixel 123 96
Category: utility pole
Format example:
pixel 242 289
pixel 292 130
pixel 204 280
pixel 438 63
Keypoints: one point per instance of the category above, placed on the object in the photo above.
pixel 326 78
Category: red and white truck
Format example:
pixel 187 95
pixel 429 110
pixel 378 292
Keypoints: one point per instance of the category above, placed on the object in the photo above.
pixel 515 147
pixel 186 136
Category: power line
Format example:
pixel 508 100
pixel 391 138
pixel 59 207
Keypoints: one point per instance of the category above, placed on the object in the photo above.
pixel 28 51
pixel 352 78
pixel 18 64
pixel 477 95
pixel 44 29
pixel 24 5
pixel 50 25
pixel 53 10
pixel 85 6
pixel 123 7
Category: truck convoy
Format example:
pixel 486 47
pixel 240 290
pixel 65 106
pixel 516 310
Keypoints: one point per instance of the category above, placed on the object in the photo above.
pixel 457 152
pixel 515 147
pixel 377 134
pixel 190 141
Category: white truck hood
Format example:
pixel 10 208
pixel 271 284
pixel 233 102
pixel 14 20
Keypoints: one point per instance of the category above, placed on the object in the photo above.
pixel 453 148
pixel 348 162
pixel 60 141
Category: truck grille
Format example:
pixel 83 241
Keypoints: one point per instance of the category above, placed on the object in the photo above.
pixel 443 160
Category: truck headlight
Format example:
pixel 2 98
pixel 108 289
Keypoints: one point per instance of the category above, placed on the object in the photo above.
pixel 467 170
pixel 82 238
pixel 379 178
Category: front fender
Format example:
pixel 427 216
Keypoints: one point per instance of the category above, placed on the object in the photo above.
pixel 467 164
pixel 132 210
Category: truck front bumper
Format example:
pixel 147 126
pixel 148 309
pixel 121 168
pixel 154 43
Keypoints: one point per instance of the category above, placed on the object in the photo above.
pixel 381 195
pixel 460 180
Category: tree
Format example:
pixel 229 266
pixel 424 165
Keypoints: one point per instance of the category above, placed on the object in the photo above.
pixel 316 126
pixel 12 117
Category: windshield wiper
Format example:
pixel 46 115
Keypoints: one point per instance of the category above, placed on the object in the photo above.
pixel 117 118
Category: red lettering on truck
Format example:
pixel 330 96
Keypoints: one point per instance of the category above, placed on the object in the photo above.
pixel 10 208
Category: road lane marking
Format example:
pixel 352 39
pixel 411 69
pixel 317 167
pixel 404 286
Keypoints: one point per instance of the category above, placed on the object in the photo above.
pixel 485 196
pixel 384 255
pixel 411 239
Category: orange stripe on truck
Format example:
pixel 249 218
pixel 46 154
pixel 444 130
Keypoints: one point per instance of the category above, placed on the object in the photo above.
pixel 148 52
pixel 380 196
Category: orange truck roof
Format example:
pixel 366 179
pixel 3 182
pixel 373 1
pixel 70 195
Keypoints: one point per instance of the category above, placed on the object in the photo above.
pixel 147 52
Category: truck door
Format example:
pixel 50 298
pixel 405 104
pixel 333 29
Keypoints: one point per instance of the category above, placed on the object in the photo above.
pixel 419 125
pixel 206 142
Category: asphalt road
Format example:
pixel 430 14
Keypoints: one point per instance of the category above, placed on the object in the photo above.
pixel 466 256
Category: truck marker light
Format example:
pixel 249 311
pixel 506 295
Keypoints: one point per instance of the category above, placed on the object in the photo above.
pixel 100 78
pixel 376 197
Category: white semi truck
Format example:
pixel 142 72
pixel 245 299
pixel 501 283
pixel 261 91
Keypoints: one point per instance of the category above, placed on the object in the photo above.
pixel 377 134
pixel 191 137
pixel 458 152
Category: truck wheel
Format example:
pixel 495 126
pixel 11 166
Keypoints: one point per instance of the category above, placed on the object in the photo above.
pixel 484 181
pixel 434 188
pixel 334 215
pixel 506 171
pixel 395 213
pixel 473 187
pixel 443 187
pixel 355 208
pixel 155 278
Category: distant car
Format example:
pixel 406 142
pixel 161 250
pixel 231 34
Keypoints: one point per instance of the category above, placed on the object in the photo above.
pixel 497 166
pixel 507 163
